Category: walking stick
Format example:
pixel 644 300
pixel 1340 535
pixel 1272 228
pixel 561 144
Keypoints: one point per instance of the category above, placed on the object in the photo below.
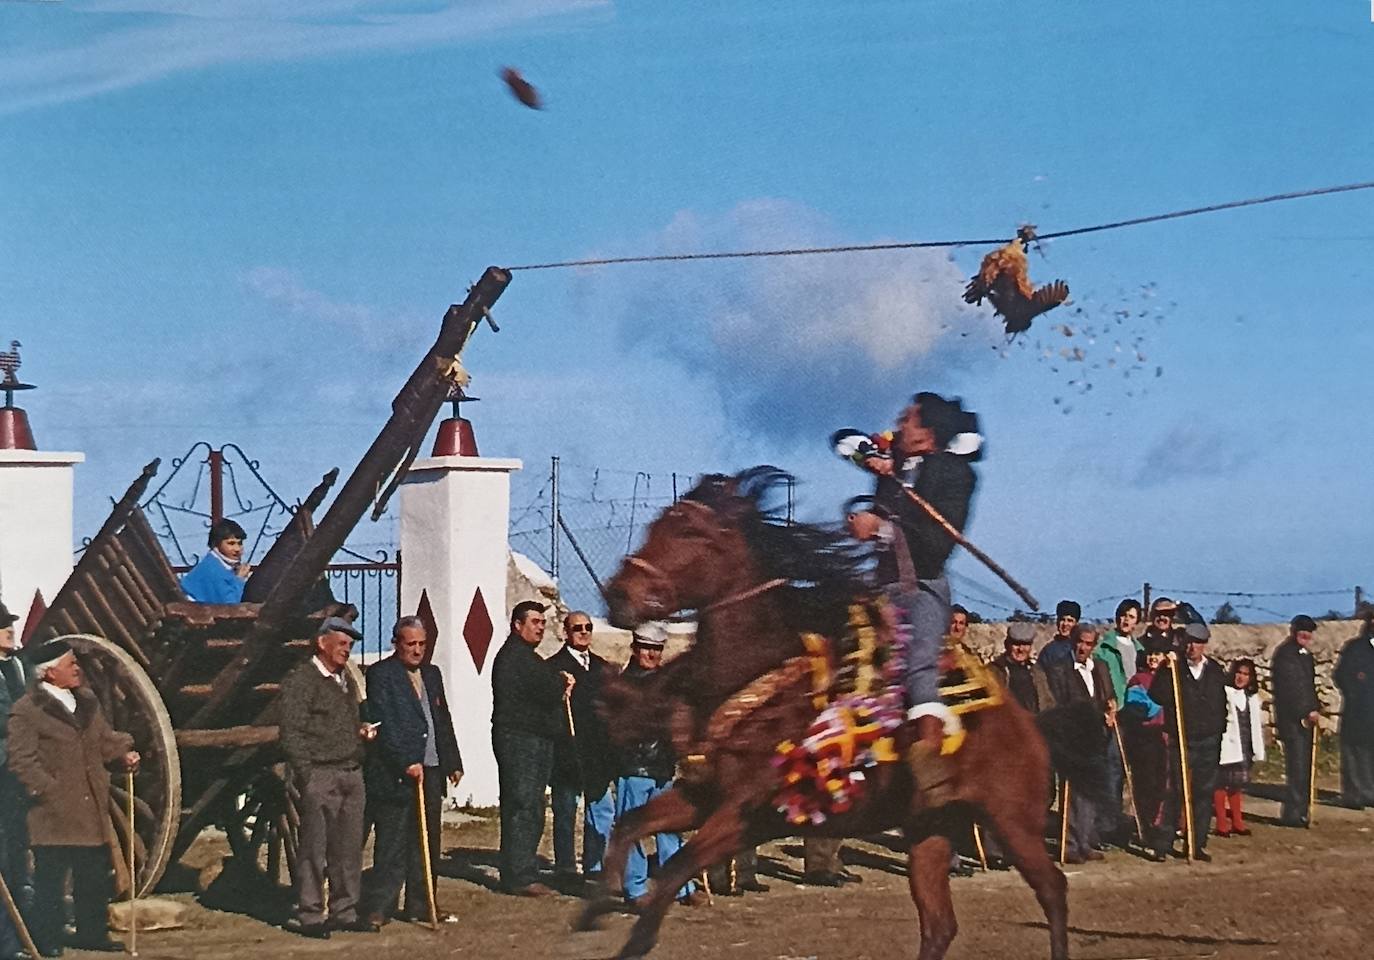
pixel 133 878
pixel 1130 782
pixel 12 909
pixel 1312 781
pixel 424 853
pixel 1064 824
pixel 1185 779
pixel 978 843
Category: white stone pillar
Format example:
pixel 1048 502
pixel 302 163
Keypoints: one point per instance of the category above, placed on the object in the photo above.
pixel 35 526
pixel 455 513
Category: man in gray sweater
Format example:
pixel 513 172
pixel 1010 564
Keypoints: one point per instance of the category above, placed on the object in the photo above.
pixel 322 737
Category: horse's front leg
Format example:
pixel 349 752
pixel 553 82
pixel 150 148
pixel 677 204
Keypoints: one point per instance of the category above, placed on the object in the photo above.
pixel 669 812
pixel 720 836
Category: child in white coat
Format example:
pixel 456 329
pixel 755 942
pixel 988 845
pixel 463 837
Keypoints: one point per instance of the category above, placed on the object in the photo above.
pixel 1242 745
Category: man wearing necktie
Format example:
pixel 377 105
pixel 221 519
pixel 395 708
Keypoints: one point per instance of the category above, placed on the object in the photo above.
pixel 415 744
pixel 582 756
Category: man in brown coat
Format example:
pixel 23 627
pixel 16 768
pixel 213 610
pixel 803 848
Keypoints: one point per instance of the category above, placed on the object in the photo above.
pixel 60 747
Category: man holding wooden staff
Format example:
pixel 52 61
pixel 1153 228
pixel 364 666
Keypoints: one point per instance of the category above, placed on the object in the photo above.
pixel 1296 711
pixel 1201 699
pixel 415 751
pixel 61 748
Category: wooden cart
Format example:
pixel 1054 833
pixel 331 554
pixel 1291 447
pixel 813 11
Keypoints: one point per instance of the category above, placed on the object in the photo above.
pixel 197 684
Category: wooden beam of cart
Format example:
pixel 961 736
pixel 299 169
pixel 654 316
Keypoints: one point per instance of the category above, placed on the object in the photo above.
pixel 412 413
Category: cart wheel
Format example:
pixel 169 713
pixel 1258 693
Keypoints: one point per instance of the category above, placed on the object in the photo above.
pixel 133 705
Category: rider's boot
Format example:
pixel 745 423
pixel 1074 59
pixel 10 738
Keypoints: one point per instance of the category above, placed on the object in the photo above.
pixel 932 770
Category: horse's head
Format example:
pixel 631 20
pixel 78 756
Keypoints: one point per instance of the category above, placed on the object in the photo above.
pixel 692 554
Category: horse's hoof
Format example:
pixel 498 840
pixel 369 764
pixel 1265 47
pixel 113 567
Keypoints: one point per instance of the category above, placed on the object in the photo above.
pixel 589 918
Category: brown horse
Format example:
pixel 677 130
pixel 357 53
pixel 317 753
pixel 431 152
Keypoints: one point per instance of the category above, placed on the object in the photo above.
pixel 757 584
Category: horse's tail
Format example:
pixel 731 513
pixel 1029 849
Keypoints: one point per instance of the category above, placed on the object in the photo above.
pixel 1077 740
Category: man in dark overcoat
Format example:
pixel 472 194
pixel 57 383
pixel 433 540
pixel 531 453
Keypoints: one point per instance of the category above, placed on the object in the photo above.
pixel 1296 710
pixel 415 745
pixel 14 835
pixel 61 748
pixel 1085 679
pixel 1203 702
pixel 582 759
pixel 1354 677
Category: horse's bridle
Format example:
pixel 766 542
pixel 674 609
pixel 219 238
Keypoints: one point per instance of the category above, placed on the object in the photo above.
pixel 738 596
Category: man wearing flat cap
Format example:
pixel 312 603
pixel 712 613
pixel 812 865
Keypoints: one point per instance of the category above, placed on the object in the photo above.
pixel 61 749
pixel 526 714
pixel 646 770
pixel 1296 711
pixel 322 736
pixel 1202 700
pixel 1024 678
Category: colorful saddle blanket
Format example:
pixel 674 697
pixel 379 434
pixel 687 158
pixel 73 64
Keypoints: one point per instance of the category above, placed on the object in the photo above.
pixel 856 688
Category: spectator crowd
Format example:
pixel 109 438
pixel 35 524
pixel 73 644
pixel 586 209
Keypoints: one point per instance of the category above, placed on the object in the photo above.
pixel 1179 735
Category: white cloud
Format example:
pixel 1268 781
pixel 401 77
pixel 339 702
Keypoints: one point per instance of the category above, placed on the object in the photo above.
pixel 802 342
pixel 114 44
pixel 359 323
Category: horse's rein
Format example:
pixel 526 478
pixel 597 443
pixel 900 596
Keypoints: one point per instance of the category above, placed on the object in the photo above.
pixel 739 596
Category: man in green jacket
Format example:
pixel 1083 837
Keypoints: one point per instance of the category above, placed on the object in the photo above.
pixel 1117 650
pixel 322 736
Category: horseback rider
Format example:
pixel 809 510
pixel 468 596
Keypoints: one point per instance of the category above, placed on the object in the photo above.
pixel 934 443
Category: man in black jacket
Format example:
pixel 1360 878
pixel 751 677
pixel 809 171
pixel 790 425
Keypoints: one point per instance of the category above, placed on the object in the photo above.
pixel 1296 711
pixel 1354 677
pixel 1085 679
pixel 1203 702
pixel 936 440
pixel 582 755
pixel 526 712
pixel 415 745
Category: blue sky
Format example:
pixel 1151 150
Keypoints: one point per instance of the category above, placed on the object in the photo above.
pixel 242 222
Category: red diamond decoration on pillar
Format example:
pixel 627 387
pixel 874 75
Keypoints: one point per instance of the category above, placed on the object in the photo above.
pixel 477 630
pixel 426 614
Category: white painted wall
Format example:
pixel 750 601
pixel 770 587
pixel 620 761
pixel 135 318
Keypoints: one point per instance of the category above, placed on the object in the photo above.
pixel 35 526
pixel 455 513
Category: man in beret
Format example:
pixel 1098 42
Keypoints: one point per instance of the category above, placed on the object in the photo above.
pixel 526 714
pixel 1354 677
pixel 1060 650
pixel 322 736
pixel 1296 711
pixel 1202 701
pixel 61 748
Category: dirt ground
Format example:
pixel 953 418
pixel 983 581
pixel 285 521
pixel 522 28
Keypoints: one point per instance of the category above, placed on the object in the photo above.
pixel 1280 893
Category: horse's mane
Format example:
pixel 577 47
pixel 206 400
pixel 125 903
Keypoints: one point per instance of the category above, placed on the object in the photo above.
pixel 825 569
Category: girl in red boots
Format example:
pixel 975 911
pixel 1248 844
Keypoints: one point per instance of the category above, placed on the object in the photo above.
pixel 1242 745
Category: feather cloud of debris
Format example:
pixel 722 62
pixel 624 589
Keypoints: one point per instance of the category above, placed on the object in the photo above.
pixel 798 341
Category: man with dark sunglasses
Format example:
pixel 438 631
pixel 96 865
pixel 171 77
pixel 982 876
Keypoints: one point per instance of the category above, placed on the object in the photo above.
pixel 582 756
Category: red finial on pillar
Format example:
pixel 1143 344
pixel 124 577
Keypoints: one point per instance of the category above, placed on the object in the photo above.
pixel 456 438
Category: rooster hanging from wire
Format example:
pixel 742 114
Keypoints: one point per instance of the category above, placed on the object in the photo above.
pixel 1004 278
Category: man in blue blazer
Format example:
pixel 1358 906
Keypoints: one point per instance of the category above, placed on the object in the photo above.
pixel 415 744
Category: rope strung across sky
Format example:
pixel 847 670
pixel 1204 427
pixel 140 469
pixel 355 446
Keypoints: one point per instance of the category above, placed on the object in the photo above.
pixel 929 244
